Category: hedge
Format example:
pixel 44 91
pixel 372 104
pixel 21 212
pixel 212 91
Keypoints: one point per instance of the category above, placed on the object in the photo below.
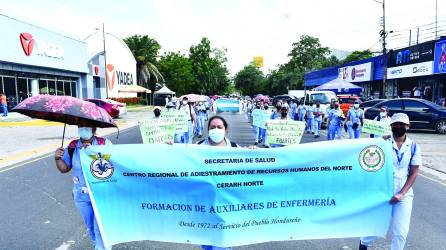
pixel 128 100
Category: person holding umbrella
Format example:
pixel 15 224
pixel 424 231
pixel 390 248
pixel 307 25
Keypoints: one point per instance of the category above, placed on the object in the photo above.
pixel 87 116
pixel 69 159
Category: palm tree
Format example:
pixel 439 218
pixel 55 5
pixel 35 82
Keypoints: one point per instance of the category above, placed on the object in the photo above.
pixel 145 50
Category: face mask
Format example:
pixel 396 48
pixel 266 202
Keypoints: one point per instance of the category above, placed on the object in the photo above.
pixel 356 105
pixel 184 102
pixel 400 131
pixel 382 114
pixel 331 106
pixel 258 107
pixel 284 114
pixel 85 133
pixel 217 135
pixel 265 107
pixel 318 105
pixel 157 113
pixel 336 106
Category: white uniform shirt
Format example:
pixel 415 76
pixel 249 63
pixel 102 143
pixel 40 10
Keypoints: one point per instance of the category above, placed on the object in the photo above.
pixel 401 162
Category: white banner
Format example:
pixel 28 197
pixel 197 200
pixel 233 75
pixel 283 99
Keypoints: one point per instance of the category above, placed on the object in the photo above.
pixel 356 73
pixel 416 69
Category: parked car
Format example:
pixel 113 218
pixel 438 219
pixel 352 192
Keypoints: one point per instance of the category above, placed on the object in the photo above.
pixel 347 101
pixel 286 98
pixel 111 109
pixel 422 114
pixel 121 106
pixel 368 104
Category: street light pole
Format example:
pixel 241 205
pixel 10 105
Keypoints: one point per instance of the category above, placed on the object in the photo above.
pixel 105 61
pixel 383 34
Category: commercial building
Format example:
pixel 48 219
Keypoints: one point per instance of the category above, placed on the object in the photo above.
pixel 35 60
pixel 415 71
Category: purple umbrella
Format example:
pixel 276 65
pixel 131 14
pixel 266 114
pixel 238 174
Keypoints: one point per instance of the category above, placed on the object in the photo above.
pixel 65 109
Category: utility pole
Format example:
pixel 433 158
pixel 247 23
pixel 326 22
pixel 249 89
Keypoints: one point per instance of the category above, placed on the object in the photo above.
pixel 105 61
pixel 383 34
pixel 436 20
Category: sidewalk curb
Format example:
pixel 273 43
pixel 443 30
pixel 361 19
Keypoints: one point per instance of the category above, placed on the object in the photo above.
pixel 27 155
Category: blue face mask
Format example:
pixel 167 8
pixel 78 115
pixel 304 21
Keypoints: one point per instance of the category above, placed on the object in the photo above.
pixel 217 135
pixel 85 133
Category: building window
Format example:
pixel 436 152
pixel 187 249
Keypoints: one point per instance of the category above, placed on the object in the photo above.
pixel 9 85
pixel 43 87
pixel 59 88
pixel 51 87
pixel 67 88
pixel 73 89
pixel 30 89
pixel 22 89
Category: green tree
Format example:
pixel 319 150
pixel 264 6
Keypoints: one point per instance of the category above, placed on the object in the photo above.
pixel 177 71
pixel 145 50
pixel 209 68
pixel 330 62
pixel 249 80
pixel 358 55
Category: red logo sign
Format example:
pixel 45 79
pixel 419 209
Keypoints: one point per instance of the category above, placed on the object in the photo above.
pixel 96 70
pixel 110 76
pixel 27 42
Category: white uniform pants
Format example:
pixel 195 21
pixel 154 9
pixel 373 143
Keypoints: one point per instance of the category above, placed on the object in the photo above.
pixel 401 213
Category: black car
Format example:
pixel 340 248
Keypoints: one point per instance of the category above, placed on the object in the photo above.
pixel 287 98
pixel 422 114
pixel 368 104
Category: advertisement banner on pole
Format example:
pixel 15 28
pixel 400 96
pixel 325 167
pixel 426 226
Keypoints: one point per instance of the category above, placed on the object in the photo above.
pixel 232 196
pixel 440 57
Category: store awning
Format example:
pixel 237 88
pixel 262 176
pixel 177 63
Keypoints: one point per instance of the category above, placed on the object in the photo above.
pixel 133 89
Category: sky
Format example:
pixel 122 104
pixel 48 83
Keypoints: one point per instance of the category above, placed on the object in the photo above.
pixel 246 28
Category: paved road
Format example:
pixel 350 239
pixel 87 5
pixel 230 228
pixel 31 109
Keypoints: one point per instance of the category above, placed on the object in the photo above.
pixel 37 211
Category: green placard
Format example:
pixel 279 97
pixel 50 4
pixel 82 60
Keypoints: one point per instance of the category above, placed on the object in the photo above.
pixel 376 127
pixel 284 132
pixel 181 119
pixel 158 130
pixel 259 117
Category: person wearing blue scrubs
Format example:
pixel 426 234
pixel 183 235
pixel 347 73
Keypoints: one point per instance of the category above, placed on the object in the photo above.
pixel 66 160
pixel 283 116
pixel 310 118
pixel 301 111
pixel 355 118
pixel 293 110
pixel 406 161
pixel 335 122
pixel 186 137
pixel 318 115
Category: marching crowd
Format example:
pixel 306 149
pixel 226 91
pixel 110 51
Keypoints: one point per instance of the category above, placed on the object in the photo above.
pixel 406 154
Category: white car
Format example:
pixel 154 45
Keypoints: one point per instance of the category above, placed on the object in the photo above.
pixel 121 106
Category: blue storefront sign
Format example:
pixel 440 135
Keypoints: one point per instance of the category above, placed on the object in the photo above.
pixel 440 57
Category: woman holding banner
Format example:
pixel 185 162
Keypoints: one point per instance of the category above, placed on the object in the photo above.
pixel 69 159
pixel 406 161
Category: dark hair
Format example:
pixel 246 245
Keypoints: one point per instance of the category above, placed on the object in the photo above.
pixel 218 117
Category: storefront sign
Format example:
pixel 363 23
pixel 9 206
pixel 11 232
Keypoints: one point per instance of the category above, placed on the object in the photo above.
pixel 30 45
pixel 414 54
pixel 440 57
pixel 356 73
pixel 417 69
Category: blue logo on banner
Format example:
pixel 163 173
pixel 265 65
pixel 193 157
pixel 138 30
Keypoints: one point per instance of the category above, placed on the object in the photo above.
pixel 440 57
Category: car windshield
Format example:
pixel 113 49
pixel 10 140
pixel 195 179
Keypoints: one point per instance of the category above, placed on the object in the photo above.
pixel 323 98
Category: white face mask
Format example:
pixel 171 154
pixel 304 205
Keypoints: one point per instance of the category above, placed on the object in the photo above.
pixel 85 133
pixel 217 135
pixel 382 114
pixel 184 102
pixel 356 105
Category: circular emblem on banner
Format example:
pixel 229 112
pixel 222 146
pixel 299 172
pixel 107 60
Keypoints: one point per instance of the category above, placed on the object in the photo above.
pixel 371 158
pixel 101 169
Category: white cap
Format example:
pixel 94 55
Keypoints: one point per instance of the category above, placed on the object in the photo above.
pixel 400 117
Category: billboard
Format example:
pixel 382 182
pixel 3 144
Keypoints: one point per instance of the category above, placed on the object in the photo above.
pixel 422 52
pixel 356 73
pixel 440 57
